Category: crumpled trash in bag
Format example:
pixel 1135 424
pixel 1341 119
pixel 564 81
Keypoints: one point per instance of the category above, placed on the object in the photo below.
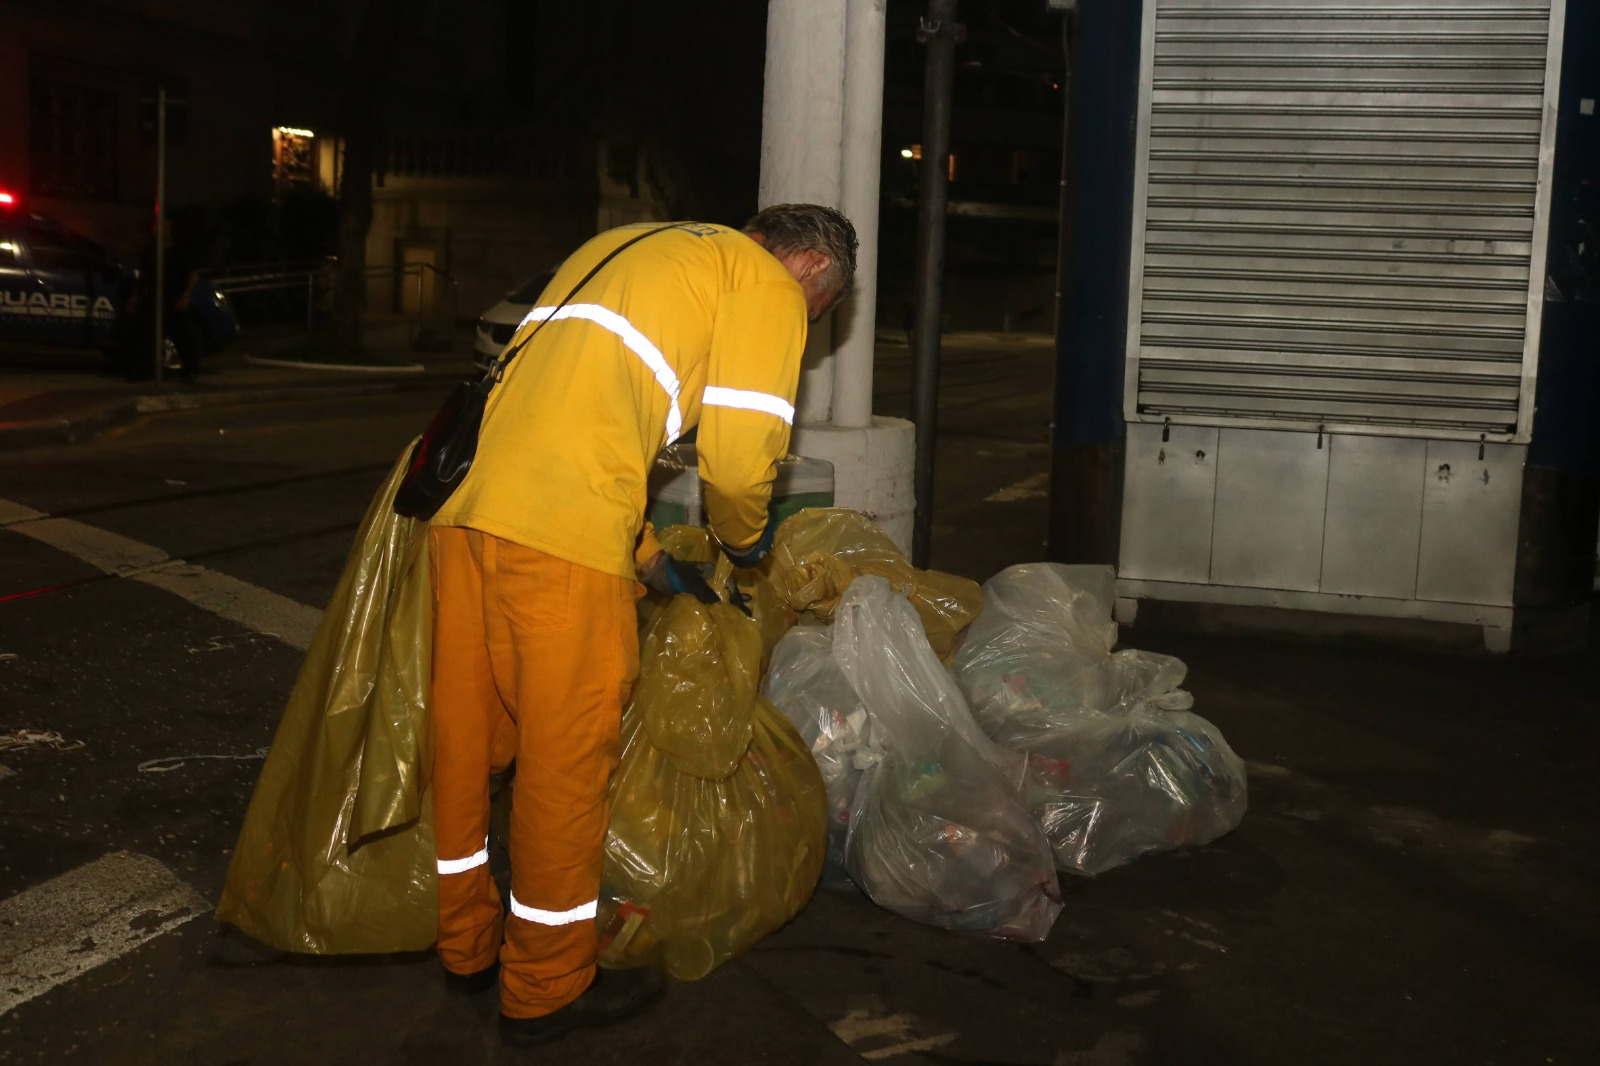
pixel 806 684
pixel 718 812
pixel 937 833
pixel 818 552
pixel 337 851
pixel 1118 767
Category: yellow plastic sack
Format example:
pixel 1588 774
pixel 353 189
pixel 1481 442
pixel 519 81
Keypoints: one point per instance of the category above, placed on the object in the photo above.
pixel 718 811
pixel 818 552
pixel 773 614
pixel 337 851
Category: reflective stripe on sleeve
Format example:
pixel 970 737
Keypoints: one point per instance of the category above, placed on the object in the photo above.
pixel 461 866
pixel 716 396
pixel 636 342
pixel 582 912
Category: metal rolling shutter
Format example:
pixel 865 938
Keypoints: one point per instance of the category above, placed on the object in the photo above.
pixel 1339 206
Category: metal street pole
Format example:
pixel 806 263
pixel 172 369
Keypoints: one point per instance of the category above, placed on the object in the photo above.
pixel 1069 26
pixel 159 289
pixel 938 31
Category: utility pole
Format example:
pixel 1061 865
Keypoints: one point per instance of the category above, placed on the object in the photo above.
pixel 159 289
pixel 939 32
pixel 1069 25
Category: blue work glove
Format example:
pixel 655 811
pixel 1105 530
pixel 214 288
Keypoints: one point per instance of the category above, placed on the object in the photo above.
pixel 674 577
pixel 751 558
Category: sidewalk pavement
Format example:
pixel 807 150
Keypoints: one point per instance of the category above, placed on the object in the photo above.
pixel 73 396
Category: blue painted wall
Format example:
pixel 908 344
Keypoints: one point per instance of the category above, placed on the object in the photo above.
pixel 1566 424
pixel 1091 340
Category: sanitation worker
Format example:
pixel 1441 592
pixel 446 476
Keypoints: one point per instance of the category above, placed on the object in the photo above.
pixel 538 557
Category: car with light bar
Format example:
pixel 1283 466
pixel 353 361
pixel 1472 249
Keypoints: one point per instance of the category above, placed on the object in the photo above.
pixel 61 289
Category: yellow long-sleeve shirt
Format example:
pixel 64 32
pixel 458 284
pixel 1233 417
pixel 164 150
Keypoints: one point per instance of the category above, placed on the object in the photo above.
pixel 695 326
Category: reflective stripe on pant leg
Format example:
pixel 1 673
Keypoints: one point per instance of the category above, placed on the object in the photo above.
pixel 467 712
pixel 461 866
pixel 566 639
pixel 534 914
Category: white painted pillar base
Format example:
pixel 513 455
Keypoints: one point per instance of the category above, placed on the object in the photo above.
pixel 872 469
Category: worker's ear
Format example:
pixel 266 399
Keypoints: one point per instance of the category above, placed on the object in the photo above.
pixel 817 263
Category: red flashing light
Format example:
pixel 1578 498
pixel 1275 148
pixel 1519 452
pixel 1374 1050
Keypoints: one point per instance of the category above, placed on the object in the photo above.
pixel 7 198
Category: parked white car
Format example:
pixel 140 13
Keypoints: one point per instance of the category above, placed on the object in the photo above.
pixel 496 325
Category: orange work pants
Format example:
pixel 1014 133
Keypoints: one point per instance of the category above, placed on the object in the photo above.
pixel 533 658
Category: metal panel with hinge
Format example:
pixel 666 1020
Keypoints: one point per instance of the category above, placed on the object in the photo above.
pixel 1169 484
pixel 1340 214
pixel 1470 498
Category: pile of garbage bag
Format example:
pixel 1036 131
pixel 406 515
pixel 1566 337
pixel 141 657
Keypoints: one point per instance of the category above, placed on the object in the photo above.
pixel 721 813
pixel 1118 766
pixel 808 723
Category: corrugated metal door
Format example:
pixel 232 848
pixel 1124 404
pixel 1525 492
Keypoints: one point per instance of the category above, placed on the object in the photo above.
pixel 1339 207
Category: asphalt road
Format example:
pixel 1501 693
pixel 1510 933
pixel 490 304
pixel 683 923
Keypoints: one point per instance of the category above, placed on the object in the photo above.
pixel 1414 883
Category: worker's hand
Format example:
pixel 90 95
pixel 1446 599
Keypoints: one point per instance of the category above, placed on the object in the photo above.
pixel 751 557
pixel 738 598
pixel 673 577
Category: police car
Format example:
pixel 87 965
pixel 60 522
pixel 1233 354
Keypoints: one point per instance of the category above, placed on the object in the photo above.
pixel 60 288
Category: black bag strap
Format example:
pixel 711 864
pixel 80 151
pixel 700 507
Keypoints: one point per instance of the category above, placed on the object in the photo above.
pixel 499 368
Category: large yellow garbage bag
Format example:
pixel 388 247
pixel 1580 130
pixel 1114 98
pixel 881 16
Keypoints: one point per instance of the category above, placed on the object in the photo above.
pixel 718 811
pixel 337 851
pixel 818 552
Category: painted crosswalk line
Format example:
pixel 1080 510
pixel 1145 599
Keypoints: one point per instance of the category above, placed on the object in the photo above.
pixel 228 597
pixel 57 930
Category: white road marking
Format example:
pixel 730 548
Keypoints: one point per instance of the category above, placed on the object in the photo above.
pixel 16 512
pixel 238 601
pixel 861 1025
pixel 65 927
pixel 927 1043
pixel 1029 488
pixel 111 552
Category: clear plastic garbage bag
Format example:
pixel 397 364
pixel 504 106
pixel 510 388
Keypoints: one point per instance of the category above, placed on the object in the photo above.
pixel 1117 766
pixel 937 833
pixel 718 812
pixel 337 851
pixel 806 684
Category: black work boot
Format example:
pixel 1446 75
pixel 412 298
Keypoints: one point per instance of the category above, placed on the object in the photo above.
pixel 470 984
pixel 613 996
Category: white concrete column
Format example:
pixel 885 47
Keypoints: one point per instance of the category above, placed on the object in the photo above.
pixel 802 121
pixel 861 163
pixel 821 141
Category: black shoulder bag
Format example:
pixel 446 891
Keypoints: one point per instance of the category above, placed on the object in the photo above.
pixel 443 456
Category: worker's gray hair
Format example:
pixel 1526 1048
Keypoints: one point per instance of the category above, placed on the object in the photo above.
pixel 811 227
